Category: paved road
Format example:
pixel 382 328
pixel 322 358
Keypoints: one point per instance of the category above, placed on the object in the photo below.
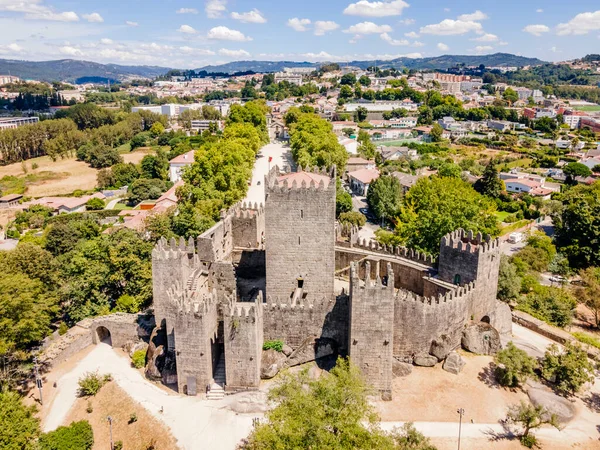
pixel 111 204
pixel 281 157
pixel 195 423
pixel 367 232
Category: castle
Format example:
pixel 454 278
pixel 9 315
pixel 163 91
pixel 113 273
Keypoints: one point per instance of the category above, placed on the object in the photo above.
pixel 285 271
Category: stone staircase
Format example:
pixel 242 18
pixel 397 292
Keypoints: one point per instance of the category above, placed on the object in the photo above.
pixel 217 391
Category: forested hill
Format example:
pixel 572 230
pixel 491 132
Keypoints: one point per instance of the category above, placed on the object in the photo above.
pixel 436 62
pixel 75 71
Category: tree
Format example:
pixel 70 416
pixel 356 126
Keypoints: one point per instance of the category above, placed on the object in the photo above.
pixel 589 292
pixel 19 427
pixel 514 366
pixel 385 197
pixel 509 281
pixel 436 133
pixel 436 206
pixel 530 418
pixel 157 129
pixel 510 95
pixel 77 436
pixel 450 170
pixel 349 79
pixel 490 183
pixel 331 412
pixel 346 92
pixel 353 218
pixel 145 189
pixel 551 304
pixel 95 204
pixel 366 147
pixel 343 200
pixel 364 81
pixel 361 113
pixel 570 369
pixel 574 170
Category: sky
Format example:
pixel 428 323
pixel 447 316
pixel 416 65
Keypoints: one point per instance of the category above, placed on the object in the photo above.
pixel 195 33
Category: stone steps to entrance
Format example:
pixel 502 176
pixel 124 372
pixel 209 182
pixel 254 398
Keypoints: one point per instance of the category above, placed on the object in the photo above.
pixel 217 388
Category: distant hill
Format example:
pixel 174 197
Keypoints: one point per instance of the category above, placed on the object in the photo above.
pixel 75 71
pixel 436 62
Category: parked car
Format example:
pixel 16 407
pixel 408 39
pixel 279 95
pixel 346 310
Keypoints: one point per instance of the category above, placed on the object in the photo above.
pixel 367 213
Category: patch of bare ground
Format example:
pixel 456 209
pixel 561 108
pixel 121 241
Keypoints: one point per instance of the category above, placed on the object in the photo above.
pixel 143 433
pixel 430 394
pixel 514 444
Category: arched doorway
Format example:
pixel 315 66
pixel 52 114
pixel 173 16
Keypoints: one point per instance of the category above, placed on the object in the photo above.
pixel 103 335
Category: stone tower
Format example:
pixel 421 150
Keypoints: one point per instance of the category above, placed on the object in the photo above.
pixel 371 337
pixel 300 234
pixel 466 257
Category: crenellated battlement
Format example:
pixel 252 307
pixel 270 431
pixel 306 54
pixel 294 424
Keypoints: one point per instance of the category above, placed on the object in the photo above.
pixel 187 301
pixel 173 249
pixel 470 242
pixel 301 180
pixel 368 282
pixel 275 303
pixel 456 295
pixel 246 311
pixel 244 210
pixel 397 251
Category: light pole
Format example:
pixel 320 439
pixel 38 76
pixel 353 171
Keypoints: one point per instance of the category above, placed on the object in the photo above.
pixel 38 380
pixel 110 427
pixel 461 413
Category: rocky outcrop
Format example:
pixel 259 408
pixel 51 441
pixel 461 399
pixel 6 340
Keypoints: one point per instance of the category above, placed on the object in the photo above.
pixel 401 369
pixel 541 396
pixel 425 360
pixel 160 363
pixel 441 347
pixel 271 363
pixel 312 349
pixel 287 350
pixel 453 363
pixel 501 320
pixel 481 338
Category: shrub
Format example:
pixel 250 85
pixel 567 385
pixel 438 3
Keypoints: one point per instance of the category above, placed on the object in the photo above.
pixel 118 445
pixel 138 359
pixel 514 366
pixel 34 165
pixel 276 345
pixel 89 409
pixel 132 418
pixel 95 204
pixel 90 383
pixel 569 369
pixel 63 328
pixel 78 435
pixel 587 339
pixel 354 218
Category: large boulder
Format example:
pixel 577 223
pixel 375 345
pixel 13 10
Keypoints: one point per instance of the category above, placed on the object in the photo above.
pixel 253 402
pixel 401 369
pixel 481 338
pixel 287 350
pixel 501 320
pixel 271 363
pixel 541 396
pixel 312 349
pixel 441 347
pixel 453 363
pixel 425 360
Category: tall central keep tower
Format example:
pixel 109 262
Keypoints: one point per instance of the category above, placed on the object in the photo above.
pixel 300 233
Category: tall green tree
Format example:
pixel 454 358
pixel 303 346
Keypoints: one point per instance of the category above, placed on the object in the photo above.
pixel 569 368
pixel 19 427
pixel 385 197
pixel 490 183
pixel 436 132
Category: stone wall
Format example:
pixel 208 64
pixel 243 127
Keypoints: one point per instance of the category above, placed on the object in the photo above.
pixel 248 226
pixel 299 239
pixel 216 243
pixel 371 334
pixel 243 335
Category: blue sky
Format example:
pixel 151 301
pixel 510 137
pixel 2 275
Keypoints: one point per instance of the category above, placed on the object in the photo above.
pixel 192 33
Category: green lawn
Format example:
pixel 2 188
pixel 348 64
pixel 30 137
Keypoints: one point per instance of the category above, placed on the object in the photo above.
pixel 587 108
pixel 502 215
pixel 525 162
pixel 125 148
pixel 514 226
pixel 121 207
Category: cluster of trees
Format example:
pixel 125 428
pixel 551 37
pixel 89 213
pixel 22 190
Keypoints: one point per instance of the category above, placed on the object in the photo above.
pixel 206 113
pixel 313 142
pixel 284 89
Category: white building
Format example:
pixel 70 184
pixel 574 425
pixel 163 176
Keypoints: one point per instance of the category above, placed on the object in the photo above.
pixel 289 77
pixel 16 122
pixel 361 179
pixel 177 164
pixel 204 125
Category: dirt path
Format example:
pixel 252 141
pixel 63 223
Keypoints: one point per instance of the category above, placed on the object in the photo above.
pixel 195 423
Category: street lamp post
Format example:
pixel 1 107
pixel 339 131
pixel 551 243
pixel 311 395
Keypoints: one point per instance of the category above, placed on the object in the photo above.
pixel 461 413
pixel 110 427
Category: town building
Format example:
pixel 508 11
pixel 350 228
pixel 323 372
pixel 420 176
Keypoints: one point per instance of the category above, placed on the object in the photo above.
pixel 10 201
pixel 16 122
pixel 361 179
pixel 177 164
pixel 291 78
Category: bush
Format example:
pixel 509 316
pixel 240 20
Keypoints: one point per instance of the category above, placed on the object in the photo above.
pixel 132 418
pixel 63 328
pixel 89 409
pixel 34 166
pixel 354 218
pixel 514 366
pixel 276 345
pixel 118 445
pixel 77 436
pixel 138 359
pixel 550 304
pixel 569 369
pixel 95 204
pixel 91 383
pixel 587 339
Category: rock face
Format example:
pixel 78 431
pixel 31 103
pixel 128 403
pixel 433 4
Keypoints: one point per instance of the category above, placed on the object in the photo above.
pixel 161 365
pixel 134 347
pixel 271 363
pixel 425 360
pixel 501 320
pixel 481 338
pixel 401 369
pixel 312 349
pixel 287 350
pixel 555 404
pixel 453 363
pixel 248 402
pixel 441 347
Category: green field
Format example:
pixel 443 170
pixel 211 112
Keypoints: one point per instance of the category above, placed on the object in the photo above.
pixel 514 226
pixel 525 162
pixel 502 215
pixel 587 108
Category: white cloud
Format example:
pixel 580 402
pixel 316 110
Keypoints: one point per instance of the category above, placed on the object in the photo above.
pixel 406 22
pixel 131 24
pixel 410 55
pixel 417 44
pixel 398 42
pixel 298 24
pixel 37 10
pixel 321 56
pixel 536 30
pixel 540 10
pixel 487 37
pixel 555 50
pixel 69 50
pixel 412 35
pixel 186 11
pixel 10 49
pixel 580 24
pixel 368 28
pixel 106 41
pixel 450 27
pixel 234 53
pixel 187 29
pixel 483 48
pixel 376 9
pixel 473 17
pixel 254 16
pixel 324 26
pixel 215 8
pixel 443 47
pixel 198 51
pixel 223 33
pixel 93 17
